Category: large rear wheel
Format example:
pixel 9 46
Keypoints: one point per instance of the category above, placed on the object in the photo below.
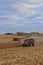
pixel 32 44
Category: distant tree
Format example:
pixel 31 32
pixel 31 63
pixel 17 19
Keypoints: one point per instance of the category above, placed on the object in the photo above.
pixel 8 33
pixel 19 33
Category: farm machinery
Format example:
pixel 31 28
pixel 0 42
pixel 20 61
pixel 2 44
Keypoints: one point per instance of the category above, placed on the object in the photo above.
pixel 26 42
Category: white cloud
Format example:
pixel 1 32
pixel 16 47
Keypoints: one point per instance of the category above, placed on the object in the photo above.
pixel 19 25
pixel 27 22
pixel 40 22
pixel 31 24
pixel 23 6
pixel 35 1
pixel 26 0
pixel 7 23
pixel 12 17
pixel 39 17
pixel 34 12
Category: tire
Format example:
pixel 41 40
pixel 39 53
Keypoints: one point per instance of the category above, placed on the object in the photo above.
pixel 32 44
pixel 24 45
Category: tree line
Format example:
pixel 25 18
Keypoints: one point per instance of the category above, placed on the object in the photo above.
pixel 25 34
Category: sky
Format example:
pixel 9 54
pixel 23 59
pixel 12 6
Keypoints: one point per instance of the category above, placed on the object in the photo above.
pixel 21 16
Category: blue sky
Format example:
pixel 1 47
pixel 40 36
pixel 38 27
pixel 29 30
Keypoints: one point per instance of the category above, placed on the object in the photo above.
pixel 21 16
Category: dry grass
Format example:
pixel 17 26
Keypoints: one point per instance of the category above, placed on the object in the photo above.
pixel 20 55
pixel 6 41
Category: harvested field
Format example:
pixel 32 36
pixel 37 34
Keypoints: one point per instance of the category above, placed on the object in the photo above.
pixel 12 54
pixel 22 56
pixel 6 41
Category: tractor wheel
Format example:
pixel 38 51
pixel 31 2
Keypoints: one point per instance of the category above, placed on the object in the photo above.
pixel 24 45
pixel 32 44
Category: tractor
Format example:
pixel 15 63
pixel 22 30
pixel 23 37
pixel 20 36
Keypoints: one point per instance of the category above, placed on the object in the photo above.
pixel 27 42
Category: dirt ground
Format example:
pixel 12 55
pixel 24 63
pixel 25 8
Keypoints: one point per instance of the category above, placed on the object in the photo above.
pixel 20 55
